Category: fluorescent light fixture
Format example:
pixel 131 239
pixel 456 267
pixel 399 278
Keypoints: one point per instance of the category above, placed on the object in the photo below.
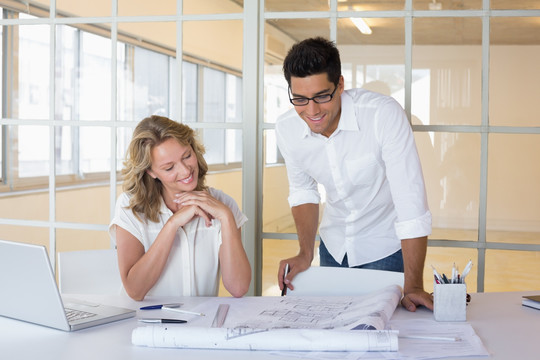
pixel 434 5
pixel 361 25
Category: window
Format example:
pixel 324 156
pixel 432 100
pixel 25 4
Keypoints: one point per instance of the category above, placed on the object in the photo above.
pixel 83 93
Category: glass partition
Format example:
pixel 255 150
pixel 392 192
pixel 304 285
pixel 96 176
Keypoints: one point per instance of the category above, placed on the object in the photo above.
pixel 513 197
pixel 285 5
pixel 510 270
pixel 82 8
pixel 211 6
pixel 512 4
pixel 447 72
pixel 514 75
pixel 434 5
pixel 451 167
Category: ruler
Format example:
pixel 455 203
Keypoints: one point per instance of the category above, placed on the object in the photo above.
pixel 221 314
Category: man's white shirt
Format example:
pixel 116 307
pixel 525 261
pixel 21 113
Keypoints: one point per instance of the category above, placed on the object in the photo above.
pixel 371 172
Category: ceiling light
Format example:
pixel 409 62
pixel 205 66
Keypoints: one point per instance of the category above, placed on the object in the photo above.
pixel 434 5
pixel 361 25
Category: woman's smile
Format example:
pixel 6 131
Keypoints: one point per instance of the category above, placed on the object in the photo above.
pixel 188 179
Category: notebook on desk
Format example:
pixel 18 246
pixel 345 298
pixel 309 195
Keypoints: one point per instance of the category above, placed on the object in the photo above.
pixel 28 292
pixel 531 301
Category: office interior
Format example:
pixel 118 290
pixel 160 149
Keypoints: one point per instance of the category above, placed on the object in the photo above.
pixel 78 75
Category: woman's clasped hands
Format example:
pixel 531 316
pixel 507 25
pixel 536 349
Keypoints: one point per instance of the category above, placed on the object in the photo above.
pixel 199 203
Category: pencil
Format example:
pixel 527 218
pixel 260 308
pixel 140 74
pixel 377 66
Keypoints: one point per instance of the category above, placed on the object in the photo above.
pixel 436 338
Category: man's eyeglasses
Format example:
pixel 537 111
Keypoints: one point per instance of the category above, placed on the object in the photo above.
pixel 319 99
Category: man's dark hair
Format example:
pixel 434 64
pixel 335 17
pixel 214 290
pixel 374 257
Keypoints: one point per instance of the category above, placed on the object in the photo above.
pixel 312 57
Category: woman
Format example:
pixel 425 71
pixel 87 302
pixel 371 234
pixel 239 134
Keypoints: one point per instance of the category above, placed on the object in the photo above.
pixel 174 235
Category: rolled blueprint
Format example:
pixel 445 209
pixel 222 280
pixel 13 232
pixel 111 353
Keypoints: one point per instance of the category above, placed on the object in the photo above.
pixel 265 339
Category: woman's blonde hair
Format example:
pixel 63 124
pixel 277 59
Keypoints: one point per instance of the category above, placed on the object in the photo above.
pixel 146 191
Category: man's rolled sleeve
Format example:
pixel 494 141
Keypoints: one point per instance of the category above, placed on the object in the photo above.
pixel 300 196
pixel 414 228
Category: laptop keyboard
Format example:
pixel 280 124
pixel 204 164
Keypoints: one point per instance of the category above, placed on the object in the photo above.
pixel 74 315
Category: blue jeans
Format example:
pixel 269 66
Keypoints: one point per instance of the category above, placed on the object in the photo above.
pixel 393 262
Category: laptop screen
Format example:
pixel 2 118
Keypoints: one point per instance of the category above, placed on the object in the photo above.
pixel 28 286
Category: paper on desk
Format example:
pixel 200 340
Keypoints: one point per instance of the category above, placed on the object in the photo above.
pixel 314 323
pixel 370 311
pixel 468 345
pixel 267 339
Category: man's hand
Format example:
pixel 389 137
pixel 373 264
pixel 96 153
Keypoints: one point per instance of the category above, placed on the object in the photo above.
pixel 417 298
pixel 297 264
pixel 414 254
pixel 306 218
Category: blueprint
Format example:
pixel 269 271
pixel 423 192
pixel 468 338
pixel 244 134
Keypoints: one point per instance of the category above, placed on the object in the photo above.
pixel 269 339
pixel 369 312
pixel 269 323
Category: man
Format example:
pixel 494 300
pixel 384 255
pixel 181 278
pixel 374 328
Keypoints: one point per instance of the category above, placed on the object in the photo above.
pixel 359 145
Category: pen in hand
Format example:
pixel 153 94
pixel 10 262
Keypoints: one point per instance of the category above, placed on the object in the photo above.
pixel 284 290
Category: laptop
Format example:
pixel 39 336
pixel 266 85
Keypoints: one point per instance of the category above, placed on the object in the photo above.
pixel 28 292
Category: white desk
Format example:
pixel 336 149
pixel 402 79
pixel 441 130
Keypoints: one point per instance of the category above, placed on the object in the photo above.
pixel 507 329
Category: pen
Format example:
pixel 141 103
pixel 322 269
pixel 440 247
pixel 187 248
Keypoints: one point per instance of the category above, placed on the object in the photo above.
pixel 284 291
pixel 163 321
pixel 466 270
pixel 182 311
pixel 437 275
pixel 445 279
pixel 155 307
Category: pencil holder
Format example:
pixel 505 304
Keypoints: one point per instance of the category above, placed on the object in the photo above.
pixel 450 302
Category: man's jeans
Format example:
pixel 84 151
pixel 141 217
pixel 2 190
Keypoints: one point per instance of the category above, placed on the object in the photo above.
pixel 393 262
